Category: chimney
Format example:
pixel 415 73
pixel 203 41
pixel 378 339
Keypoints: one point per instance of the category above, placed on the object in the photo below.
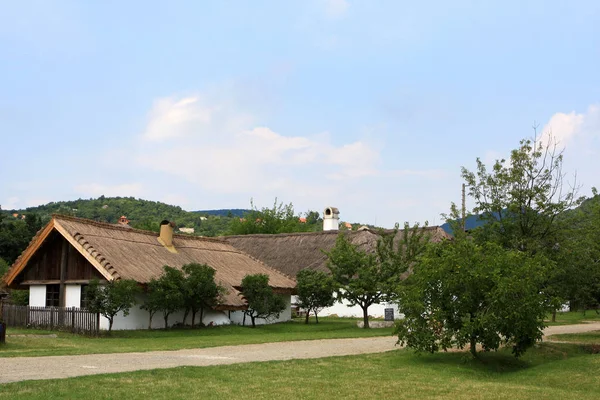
pixel 331 219
pixel 166 235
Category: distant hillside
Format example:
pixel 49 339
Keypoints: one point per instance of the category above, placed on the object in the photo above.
pixel 225 212
pixel 143 214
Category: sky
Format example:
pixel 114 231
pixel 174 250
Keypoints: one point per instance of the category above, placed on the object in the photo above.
pixel 369 106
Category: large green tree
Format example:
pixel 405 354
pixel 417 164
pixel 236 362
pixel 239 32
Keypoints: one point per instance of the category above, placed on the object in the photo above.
pixel 166 293
pixel 523 201
pixel 462 294
pixel 315 291
pixel 112 297
pixel 366 278
pixel 200 289
pixel 262 301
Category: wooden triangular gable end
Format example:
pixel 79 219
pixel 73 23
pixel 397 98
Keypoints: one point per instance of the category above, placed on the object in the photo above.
pixel 76 241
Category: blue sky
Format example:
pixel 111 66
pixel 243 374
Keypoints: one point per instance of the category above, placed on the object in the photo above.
pixel 369 106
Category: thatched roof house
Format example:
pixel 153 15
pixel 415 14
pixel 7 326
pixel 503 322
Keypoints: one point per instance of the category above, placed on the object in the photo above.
pixel 72 251
pixel 293 252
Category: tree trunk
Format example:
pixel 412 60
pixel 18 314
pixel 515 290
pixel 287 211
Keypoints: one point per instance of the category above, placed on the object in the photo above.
pixel 316 317
pixel 150 320
pixel 201 315
pixel 193 317
pixel 365 316
pixel 554 316
pixel 185 314
pixel 110 324
pixel 166 317
pixel 473 346
pixel 253 318
pixel 307 316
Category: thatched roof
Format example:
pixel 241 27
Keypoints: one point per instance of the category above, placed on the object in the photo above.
pixel 292 252
pixel 124 253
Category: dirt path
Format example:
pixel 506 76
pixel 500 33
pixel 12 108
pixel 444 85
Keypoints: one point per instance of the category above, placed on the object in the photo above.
pixel 28 368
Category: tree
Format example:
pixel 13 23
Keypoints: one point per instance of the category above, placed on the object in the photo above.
pixel 200 289
pixel 166 293
pixel 111 298
pixel 279 219
pixel 462 293
pixel 262 302
pixel 3 267
pixel 315 291
pixel 523 200
pixel 364 278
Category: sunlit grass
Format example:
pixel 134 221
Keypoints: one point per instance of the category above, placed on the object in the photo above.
pixel 549 371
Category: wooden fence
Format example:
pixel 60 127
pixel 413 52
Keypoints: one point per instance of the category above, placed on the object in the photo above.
pixel 71 319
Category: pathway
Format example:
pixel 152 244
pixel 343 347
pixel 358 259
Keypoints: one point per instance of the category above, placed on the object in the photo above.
pixel 28 368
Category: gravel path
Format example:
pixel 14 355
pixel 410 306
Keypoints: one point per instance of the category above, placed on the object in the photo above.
pixel 28 368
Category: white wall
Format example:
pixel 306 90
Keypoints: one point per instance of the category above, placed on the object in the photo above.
pixel 72 295
pixel 343 310
pixel 37 295
pixel 237 317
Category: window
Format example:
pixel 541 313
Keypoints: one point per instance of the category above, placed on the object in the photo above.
pixel 83 297
pixel 52 295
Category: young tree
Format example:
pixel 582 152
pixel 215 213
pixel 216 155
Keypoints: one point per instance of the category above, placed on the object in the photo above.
pixel 315 291
pixel 111 298
pixel 200 289
pixel 279 219
pixel 462 293
pixel 369 278
pixel 152 301
pixel 262 302
pixel 167 293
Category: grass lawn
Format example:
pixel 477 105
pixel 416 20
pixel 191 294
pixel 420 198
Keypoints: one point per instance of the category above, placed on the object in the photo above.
pixel 549 371
pixel 586 337
pixel 20 343
pixel 573 317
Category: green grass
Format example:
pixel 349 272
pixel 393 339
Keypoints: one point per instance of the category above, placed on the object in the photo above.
pixel 175 339
pixel 573 317
pixel 549 371
pixel 586 337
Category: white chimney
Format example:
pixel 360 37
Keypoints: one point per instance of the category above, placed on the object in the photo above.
pixel 331 219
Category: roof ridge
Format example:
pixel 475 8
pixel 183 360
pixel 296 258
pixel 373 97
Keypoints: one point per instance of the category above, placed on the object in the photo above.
pixel 131 229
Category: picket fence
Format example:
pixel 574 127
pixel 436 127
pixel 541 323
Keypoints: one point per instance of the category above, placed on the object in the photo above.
pixel 73 319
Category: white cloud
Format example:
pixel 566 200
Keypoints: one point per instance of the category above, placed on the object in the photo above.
pixel 97 189
pixel 336 8
pixel 171 118
pixel 229 156
pixel 573 126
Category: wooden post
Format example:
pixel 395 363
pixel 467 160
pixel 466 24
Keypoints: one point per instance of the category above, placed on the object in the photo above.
pixel 64 257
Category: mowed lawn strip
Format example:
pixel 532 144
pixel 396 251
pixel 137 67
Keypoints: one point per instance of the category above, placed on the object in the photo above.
pixel 549 371
pixel 33 343
pixel 573 317
pixel 585 337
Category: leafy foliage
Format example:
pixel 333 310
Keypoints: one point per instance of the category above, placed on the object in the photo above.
pixel 200 289
pixel 369 278
pixel 315 291
pixel 520 199
pixel 462 293
pixel 279 219
pixel 166 294
pixel 111 298
pixel 16 233
pixel 262 302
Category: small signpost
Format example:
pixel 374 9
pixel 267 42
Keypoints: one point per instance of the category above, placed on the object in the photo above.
pixel 389 314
